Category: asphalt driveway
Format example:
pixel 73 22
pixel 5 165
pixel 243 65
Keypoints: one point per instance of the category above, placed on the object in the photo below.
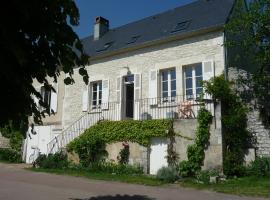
pixel 19 184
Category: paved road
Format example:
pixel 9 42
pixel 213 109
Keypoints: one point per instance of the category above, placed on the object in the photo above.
pixel 19 184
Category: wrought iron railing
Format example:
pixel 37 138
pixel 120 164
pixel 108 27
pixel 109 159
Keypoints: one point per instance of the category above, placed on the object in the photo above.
pixel 177 107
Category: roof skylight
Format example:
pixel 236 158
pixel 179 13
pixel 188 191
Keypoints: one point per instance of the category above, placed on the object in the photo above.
pixel 105 47
pixel 133 39
pixel 180 26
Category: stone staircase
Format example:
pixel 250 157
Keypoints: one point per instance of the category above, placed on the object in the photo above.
pixel 73 131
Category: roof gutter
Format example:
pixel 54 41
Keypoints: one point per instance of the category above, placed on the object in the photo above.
pixel 159 42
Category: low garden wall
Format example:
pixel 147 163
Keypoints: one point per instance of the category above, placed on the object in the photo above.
pixel 185 130
pixel 138 154
pixel 4 142
pixel 185 134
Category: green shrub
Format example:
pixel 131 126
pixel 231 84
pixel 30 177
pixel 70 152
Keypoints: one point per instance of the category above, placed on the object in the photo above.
pixel 259 167
pixel 167 174
pixel 109 167
pixel 16 141
pixel 185 169
pixel 195 152
pixel 203 176
pixel 234 124
pixel 124 154
pixel 15 134
pixel 10 155
pixel 40 161
pixel 90 148
pixel 52 161
pixel 232 168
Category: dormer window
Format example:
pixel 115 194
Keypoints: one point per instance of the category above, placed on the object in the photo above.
pixel 180 26
pixel 133 39
pixel 105 47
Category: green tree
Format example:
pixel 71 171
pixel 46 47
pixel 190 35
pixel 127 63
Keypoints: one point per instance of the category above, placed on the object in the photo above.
pixel 37 42
pixel 249 39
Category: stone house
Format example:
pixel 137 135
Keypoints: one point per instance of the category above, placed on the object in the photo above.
pixel 148 69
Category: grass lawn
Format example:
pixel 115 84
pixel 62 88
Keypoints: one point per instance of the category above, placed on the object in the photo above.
pixel 135 179
pixel 4 161
pixel 246 186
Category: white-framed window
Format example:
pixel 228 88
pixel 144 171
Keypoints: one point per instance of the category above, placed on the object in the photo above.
pixel 46 95
pixel 193 77
pixel 49 97
pixel 168 84
pixel 96 94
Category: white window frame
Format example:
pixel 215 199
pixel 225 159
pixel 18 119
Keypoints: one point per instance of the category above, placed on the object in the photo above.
pixel 194 77
pixel 98 97
pixel 169 80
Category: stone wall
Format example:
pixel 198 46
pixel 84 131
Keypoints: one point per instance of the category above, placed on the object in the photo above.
pixel 4 142
pixel 138 154
pixel 186 128
pixel 262 135
pixel 255 126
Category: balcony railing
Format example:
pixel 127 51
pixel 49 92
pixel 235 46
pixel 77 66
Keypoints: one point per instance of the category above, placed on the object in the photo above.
pixel 177 107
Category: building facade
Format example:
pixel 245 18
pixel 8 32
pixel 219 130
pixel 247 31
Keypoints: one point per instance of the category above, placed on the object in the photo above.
pixel 149 69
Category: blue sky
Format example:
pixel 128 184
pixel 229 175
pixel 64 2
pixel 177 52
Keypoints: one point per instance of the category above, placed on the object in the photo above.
pixel 119 12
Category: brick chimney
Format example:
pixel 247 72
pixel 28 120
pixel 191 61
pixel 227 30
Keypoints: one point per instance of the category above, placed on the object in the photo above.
pixel 101 27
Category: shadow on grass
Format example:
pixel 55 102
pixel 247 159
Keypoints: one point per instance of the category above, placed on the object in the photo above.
pixel 117 197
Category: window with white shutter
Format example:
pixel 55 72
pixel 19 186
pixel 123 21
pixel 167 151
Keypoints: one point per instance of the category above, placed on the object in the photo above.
pixel 96 94
pixel 85 99
pixel 36 100
pixel 137 95
pixel 193 78
pixel 105 94
pixel 168 85
pixel 53 104
pixel 153 87
pixel 119 83
pixel 118 89
pixel 194 75
pixel 208 69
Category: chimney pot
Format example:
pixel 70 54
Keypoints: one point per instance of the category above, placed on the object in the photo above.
pixel 101 27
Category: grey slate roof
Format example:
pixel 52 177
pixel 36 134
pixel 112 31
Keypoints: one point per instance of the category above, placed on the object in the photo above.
pixel 201 14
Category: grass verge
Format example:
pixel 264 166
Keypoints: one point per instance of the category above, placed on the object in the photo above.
pixel 246 186
pixel 135 179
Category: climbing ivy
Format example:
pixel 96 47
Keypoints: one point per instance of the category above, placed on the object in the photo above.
pixel 127 130
pixel 172 156
pixel 91 144
pixel 234 124
pixel 195 152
